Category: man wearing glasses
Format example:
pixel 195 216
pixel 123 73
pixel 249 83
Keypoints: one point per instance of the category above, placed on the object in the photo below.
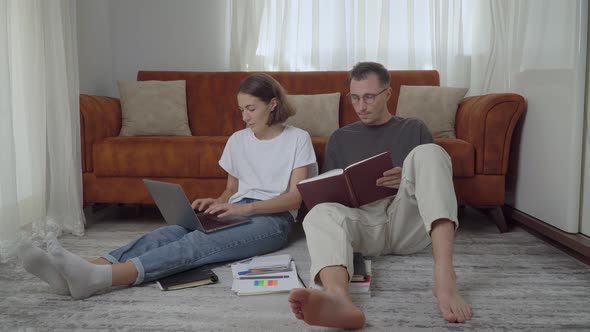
pixel 423 211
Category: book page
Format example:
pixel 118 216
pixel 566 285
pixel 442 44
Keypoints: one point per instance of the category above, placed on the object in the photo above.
pixel 362 161
pixel 327 174
pixel 328 187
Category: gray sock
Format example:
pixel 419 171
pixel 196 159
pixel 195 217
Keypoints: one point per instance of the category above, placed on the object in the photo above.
pixel 37 262
pixel 83 277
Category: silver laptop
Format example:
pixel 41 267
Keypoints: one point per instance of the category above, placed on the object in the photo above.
pixel 177 210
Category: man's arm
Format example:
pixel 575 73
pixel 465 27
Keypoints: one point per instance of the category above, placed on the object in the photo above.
pixel 392 177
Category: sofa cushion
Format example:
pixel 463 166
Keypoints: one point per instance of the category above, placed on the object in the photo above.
pixel 462 156
pixel 153 108
pixel 317 114
pixel 165 156
pixel 436 106
pixel 213 108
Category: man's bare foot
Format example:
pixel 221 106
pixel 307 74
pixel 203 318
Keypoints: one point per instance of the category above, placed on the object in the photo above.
pixel 320 308
pixel 451 304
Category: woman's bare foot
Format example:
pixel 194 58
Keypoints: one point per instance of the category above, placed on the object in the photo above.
pixel 451 304
pixel 320 308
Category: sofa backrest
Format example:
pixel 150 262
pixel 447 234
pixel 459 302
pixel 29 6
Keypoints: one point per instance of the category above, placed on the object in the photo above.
pixel 213 108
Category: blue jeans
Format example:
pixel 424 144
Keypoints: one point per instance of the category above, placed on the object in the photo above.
pixel 172 249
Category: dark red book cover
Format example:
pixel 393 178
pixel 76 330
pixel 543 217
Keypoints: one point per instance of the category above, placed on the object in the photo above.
pixel 363 175
pixel 354 186
pixel 327 187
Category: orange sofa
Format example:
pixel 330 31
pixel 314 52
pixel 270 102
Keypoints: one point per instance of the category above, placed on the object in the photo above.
pixel 114 166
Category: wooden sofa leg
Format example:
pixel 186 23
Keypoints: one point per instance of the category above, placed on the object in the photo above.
pixel 460 212
pixel 498 216
pixel 130 210
pixel 98 206
pixel 138 210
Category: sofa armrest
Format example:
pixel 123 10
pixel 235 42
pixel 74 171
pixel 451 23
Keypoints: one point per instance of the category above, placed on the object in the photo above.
pixel 100 117
pixel 319 147
pixel 488 122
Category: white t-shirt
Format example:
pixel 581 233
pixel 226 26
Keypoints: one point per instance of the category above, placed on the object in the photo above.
pixel 263 167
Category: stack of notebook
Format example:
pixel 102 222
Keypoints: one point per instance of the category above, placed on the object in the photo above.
pixel 361 279
pixel 264 275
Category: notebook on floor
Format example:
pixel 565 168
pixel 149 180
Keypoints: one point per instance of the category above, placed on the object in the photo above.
pixel 177 210
pixel 195 277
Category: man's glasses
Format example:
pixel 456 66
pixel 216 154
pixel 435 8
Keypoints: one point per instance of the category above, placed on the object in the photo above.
pixel 368 98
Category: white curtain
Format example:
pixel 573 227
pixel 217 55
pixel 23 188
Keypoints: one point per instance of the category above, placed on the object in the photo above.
pixel 336 34
pixel 479 44
pixel 512 38
pixel 40 167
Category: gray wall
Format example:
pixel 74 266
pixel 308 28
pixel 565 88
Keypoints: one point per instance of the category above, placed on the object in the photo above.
pixel 116 38
pixel 95 56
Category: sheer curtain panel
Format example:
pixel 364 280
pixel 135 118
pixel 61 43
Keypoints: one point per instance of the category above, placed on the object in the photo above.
pixel 336 34
pixel 40 171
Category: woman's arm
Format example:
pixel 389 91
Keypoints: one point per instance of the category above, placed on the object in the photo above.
pixel 285 202
pixel 290 200
pixel 230 189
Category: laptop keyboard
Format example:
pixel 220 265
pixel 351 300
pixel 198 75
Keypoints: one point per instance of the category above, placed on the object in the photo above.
pixel 211 223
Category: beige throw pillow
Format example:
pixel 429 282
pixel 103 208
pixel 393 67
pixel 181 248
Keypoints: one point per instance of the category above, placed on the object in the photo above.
pixel 317 114
pixel 153 108
pixel 434 105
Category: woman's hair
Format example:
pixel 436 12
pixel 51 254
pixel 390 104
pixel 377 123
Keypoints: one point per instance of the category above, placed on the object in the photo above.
pixel 265 88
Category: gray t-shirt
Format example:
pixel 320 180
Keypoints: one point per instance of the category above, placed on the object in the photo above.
pixel 358 141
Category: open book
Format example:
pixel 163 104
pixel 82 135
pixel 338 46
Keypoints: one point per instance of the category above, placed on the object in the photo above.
pixel 353 186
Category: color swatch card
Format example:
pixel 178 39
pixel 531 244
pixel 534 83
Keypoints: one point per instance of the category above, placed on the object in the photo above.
pixel 263 283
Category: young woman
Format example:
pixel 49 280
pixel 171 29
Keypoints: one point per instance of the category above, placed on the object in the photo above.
pixel 264 163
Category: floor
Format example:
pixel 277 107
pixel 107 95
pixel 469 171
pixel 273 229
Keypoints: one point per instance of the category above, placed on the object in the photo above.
pixel 514 281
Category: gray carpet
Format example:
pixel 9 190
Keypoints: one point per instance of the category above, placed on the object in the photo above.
pixel 514 281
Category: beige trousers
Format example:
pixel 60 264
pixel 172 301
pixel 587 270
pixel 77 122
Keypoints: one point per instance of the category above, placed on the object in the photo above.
pixel 398 225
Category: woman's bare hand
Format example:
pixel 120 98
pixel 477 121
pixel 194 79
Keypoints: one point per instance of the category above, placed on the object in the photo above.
pixel 228 210
pixel 201 204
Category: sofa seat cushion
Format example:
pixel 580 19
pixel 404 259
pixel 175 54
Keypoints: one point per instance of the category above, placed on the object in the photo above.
pixel 462 155
pixel 160 156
